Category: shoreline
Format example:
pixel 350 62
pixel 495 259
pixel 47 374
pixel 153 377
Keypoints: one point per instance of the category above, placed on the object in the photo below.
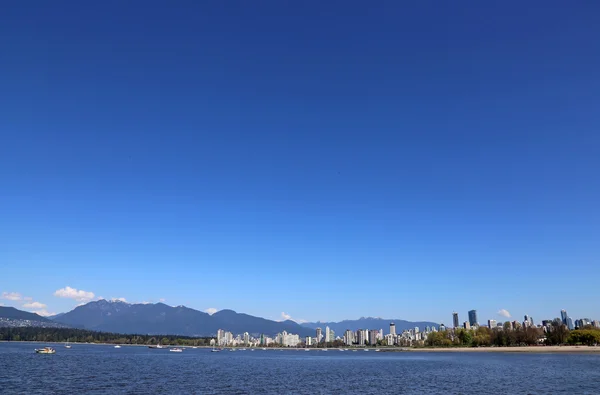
pixel 524 349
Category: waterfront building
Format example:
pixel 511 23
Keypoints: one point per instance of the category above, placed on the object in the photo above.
pixel 348 337
pixel 466 325
pixel 361 337
pixel 473 317
pixel 455 319
pixel 393 329
pixel 373 337
pixel 492 324
pixel 327 335
pixel 246 338
pixel 442 328
pixel 570 323
pixel 308 341
pixel 319 334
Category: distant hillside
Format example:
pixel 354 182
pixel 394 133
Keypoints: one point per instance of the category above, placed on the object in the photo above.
pixel 369 323
pixel 11 312
pixel 159 318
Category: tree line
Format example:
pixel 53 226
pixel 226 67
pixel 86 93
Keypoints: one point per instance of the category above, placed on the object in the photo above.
pixel 59 335
pixel 556 334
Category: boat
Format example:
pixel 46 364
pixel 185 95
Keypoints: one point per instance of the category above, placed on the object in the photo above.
pixel 215 350
pixel 264 349
pixel 157 346
pixel 366 349
pixel 67 345
pixel 176 349
pixel 194 347
pixel 231 349
pixel 341 349
pixel 307 349
pixel 45 350
pixel 117 346
pixel 377 350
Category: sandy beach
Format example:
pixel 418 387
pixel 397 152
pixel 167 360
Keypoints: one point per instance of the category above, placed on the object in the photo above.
pixel 532 349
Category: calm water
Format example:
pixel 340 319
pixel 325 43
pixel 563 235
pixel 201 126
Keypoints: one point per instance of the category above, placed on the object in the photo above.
pixel 139 370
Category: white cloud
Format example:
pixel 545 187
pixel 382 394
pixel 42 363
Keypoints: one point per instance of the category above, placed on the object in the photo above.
pixel 285 317
pixel 72 293
pixel 34 305
pixel 43 313
pixel 504 313
pixel 11 296
pixel 28 298
pixel 211 310
pixel 119 300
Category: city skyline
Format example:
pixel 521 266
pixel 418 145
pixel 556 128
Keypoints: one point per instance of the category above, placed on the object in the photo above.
pixel 267 157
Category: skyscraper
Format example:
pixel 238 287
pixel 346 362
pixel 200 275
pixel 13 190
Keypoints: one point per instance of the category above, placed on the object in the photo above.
pixel 327 335
pixel 455 319
pixel 564 316
pixel 393 329
pixel 570 323
pixel 319 335
pixel 473 317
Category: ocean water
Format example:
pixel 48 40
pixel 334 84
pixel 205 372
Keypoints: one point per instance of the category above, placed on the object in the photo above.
pixel 102 369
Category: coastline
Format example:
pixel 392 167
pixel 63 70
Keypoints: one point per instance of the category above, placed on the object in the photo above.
pixel 525 349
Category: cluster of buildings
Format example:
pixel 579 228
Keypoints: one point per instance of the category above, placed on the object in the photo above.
pixel 528 322
pixel 371 337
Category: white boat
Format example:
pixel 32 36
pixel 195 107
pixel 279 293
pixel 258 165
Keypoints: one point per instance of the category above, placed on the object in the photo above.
pixel 215 350
pixel 67 345
pixel 176 349
pixel 117 346
pixel 377 350
pixel 341 349
pixel 264 349
pixel 306 349
pixel 45 350
pixel 231 349
pixel 366 349
pixel 194 347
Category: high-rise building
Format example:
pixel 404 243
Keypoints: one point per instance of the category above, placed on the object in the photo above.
pixel 246 338
pixel 360 337
pixel 348 337
pixel 473 317
pixel 466 325
pixel 373 337
pixel 455 319
pixel 393 329
pixel 308 341
pixel 596 323
pixel 327 335
pixel 564 316
pixel 319 335
pixel 492 324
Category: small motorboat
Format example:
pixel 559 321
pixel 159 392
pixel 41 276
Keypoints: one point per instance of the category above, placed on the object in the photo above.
pixel 176 349
pixel 45 350
pixel 215 350
pixel 117 346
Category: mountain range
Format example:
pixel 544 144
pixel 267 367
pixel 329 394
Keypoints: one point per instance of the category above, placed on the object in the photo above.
pixel 368 323
pixel 159 318
pixel 15 314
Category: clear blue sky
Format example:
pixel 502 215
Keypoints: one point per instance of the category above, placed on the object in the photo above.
pixel 328 160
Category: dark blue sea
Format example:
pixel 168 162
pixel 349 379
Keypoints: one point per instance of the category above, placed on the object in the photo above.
pixel 102 369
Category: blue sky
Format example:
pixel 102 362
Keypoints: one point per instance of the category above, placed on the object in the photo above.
pixel 322 161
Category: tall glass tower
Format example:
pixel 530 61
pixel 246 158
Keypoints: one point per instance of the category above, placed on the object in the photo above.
pixel 473 317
